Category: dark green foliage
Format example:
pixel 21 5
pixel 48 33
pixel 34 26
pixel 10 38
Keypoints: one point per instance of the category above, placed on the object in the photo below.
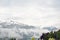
pixel 55 35
pixel 13 39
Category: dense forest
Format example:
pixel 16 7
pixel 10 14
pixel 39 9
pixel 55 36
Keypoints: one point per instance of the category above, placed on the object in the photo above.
pixel 53 35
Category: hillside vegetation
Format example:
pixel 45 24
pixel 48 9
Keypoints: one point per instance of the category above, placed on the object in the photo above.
pixel 55 35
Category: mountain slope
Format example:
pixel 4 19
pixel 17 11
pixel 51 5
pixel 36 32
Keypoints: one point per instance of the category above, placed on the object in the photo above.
pixel 51 28
pixel 18 30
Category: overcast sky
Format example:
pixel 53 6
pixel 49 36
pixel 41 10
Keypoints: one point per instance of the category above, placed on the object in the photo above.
pixel 31 12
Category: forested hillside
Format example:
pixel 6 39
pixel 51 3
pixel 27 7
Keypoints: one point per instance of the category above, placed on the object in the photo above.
pixel 55 35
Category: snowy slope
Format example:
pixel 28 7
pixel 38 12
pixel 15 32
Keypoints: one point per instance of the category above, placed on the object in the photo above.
pixel 19 30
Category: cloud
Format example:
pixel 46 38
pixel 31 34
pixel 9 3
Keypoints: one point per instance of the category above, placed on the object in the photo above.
pixel 32 12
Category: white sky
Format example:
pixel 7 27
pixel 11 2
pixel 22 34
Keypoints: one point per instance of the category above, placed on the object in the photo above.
pixel 31 12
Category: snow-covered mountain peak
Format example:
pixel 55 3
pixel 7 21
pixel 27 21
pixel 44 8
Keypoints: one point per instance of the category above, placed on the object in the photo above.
pixel 19 30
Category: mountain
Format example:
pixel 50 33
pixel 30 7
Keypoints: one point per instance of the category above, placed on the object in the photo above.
pixel 51 28
pixel 19 30
pixel 13 24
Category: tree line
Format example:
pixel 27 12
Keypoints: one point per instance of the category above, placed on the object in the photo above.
pixel 55 35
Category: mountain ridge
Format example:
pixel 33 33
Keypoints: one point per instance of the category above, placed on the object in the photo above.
pixel 13 29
